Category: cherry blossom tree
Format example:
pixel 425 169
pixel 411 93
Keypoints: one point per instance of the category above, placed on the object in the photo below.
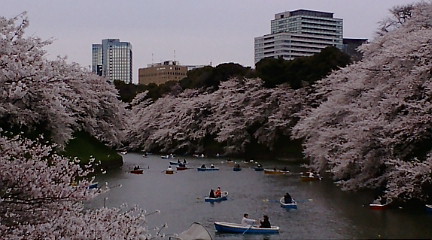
pixel 240 111
pixel 55 96
pixel 372 128
pixel 42 194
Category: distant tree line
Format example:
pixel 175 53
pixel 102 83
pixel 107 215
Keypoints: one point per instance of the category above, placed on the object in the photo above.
pixel 273 71
pixel 301 71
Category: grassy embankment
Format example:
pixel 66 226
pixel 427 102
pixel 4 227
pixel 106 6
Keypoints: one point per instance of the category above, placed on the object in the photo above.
pixel 83 146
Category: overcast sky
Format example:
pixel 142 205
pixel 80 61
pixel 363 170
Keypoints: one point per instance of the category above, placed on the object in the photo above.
pixel 193 32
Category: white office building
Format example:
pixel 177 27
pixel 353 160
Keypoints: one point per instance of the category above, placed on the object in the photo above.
pixel 113 60
pixel 299 33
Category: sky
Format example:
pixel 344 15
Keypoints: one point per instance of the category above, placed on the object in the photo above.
pixel 193 32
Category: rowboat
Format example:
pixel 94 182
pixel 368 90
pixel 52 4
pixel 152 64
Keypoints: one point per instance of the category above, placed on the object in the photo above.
pixel 309 177
pixel 207 169
pixel 259 168
pixel 93 186
pixel 182 168
pixel 167 156
pixel 238 228
pixel 428 208
pixel 275 172
pixel 177 162
pixel 218 199
pixel 169 170
pixel 236 169
pixel 378 206
pixel 250 161
pixel 230 162
pixel 292 205
pixel 137 171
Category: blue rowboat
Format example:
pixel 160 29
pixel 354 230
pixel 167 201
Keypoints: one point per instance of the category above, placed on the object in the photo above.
pixel 428 208
pixel 292 205
pixel 257 168
pixel 207 169
pixel 93 186
pixel 236 169
pixel 238 228
pixel 218 199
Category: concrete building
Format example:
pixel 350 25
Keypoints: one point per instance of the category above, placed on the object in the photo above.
pixel 113 60
pixel 162 72
pixel 350 46
pixel 299 33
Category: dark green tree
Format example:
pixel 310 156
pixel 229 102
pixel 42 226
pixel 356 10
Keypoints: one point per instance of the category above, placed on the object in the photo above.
pixel 210 77
pixel 301 71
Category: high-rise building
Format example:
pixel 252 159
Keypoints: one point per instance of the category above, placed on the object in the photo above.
pixel 299 33
pixel 163 72
pixel 113 60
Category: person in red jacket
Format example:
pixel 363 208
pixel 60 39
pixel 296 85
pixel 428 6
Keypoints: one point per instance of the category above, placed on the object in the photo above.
pixel 218 192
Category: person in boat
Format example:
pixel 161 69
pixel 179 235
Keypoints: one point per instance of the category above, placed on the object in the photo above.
pixel 212 194
pixel 285 169
pixel 203 166
pixel 137 167
pixel 265 223
pixel 246 221
pixel 178 161
pixel 212 166
pixel 287 198
pixel 184 161
pixel 237 165
pixel 218 192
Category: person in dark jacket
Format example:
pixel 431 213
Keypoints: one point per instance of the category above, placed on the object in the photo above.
pixel 212 194
pixel 265 223
pixel 287 198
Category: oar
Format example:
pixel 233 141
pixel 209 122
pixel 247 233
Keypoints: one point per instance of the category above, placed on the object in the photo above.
pixel 247 229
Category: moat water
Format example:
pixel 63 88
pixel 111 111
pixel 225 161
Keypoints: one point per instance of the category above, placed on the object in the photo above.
pixel 324 211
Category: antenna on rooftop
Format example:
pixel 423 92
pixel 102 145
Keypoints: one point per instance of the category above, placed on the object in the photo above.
pixel 174 56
